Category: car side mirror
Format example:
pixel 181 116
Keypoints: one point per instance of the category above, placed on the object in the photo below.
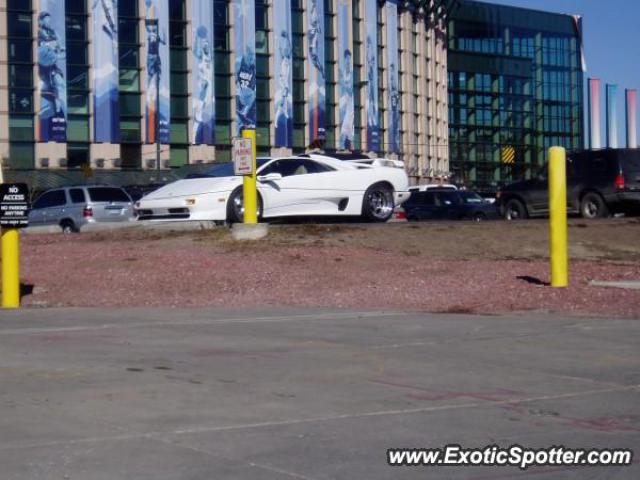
pixel 270 177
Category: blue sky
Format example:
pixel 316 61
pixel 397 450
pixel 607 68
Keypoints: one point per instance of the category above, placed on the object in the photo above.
pixel 611 37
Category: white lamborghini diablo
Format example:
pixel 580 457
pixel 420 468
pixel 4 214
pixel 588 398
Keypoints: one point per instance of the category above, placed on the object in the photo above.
pixel 308 185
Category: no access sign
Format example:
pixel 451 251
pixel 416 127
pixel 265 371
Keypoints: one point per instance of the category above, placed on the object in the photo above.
pixel 243 156
pixel 14 205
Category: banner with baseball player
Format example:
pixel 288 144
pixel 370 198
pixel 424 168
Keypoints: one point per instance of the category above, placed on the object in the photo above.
pixel 158 70
pixel 203 97
pixel 345 66
pixel 284 77
pixel 106 111
pixel 371 52
pixel 244 20
pixel 393 92
pixel 317 79
pixel 51 125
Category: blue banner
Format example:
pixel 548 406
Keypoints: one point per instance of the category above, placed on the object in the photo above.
pixel 284 76
pixel 393 91
pixel 203 99
pixel 345 65
pixel 244 19
pixel 317 81
pixel 106 111
pixel 52 72
pixel 158 70
pixel 371 52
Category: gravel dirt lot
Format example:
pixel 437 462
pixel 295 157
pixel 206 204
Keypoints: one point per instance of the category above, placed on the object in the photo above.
pixel 456 268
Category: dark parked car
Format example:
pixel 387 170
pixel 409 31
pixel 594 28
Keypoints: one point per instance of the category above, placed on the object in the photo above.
pixel 599 183
pixel 447 204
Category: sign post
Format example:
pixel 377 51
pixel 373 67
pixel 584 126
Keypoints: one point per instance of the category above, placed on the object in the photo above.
pixel 14 214
pixel 244 158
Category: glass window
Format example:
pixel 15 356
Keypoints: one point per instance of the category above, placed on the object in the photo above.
pixel 128 56
pixel 78 129
pixel 76 53
pixel 77 78
pixel 20 75
pixel 20 50
pixel 128 27
pixel 129 104
pixel 78 103
pixel 21 155
pixel 129 80
pixel 76 26
pixel 108 194
pixel 20 101
pixel 21 127
pixel 77 195
pixel 19 24
pixel 54 198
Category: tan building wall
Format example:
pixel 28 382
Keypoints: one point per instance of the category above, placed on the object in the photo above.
pixel 423 88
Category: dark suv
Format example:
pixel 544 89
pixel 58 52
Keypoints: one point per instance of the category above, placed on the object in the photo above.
pixel 599 183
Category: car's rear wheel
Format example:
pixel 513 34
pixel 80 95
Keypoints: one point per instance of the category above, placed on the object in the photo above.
pixel 593 206
pixel 68 227
pixel 515 210
pixel 378 203
pixel 235 207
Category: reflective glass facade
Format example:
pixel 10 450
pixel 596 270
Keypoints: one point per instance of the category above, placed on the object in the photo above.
pixel 515 89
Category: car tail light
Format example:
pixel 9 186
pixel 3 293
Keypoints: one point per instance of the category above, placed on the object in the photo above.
pixel 619 183
pixel 87 212
pixel 401 215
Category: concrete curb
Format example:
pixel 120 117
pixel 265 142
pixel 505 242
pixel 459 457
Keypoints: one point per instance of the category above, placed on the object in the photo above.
pixel 243 232
pixel 192 226
pixel 627 285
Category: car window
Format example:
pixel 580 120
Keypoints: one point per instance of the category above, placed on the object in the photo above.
pixel 107 194
pixel 429 199
pixel 448 198
pixel 288 167
pixel 471 197
pixel 77 195
pixel 55 198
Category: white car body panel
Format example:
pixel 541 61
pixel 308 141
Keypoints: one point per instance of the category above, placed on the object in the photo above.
pixel 311 194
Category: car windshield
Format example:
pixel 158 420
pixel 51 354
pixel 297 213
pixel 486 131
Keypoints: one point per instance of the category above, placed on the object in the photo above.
pixel 471 197
pixel 224 169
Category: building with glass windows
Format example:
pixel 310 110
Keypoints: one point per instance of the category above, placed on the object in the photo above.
pixel 98 82
pixel 515 89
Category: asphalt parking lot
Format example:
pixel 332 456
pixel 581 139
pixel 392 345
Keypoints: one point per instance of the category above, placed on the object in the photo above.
pixel 296 393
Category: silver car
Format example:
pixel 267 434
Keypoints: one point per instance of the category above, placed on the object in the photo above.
pixel 74 207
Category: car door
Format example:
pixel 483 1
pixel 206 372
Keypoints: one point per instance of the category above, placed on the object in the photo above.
pixel 307 187
pixel 426 208
pixel 448 206
pixel 538 192
pixel 49 208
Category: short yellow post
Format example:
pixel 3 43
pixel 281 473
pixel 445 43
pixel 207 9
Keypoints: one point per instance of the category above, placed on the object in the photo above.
pixel 249 187
pixel 10 268
pixel 558 238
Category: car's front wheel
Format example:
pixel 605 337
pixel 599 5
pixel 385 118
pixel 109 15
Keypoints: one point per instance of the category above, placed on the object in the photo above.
pixel 235 206
pixel 378 203
pixel 515 210
pixel 593 206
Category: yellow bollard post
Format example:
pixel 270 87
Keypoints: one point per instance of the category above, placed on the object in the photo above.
pixel 10 268
pixel 249 186
pixel 558 237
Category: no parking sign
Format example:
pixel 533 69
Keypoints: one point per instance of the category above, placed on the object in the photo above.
pixel 243 156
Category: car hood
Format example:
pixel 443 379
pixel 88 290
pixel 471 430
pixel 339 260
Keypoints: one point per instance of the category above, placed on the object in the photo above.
pixel 194 186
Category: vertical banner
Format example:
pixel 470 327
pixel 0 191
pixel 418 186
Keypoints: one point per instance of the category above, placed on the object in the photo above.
pixel 345 65
pixel 612 116
pixel 158 68
pixel 632 118
pixel 594 114
pixel 244 22
pixel 371 50
pixel 284 76
pixel 393 91
pixel 52 72
pixel 317 82
pixel 203 96
pixel 106 112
